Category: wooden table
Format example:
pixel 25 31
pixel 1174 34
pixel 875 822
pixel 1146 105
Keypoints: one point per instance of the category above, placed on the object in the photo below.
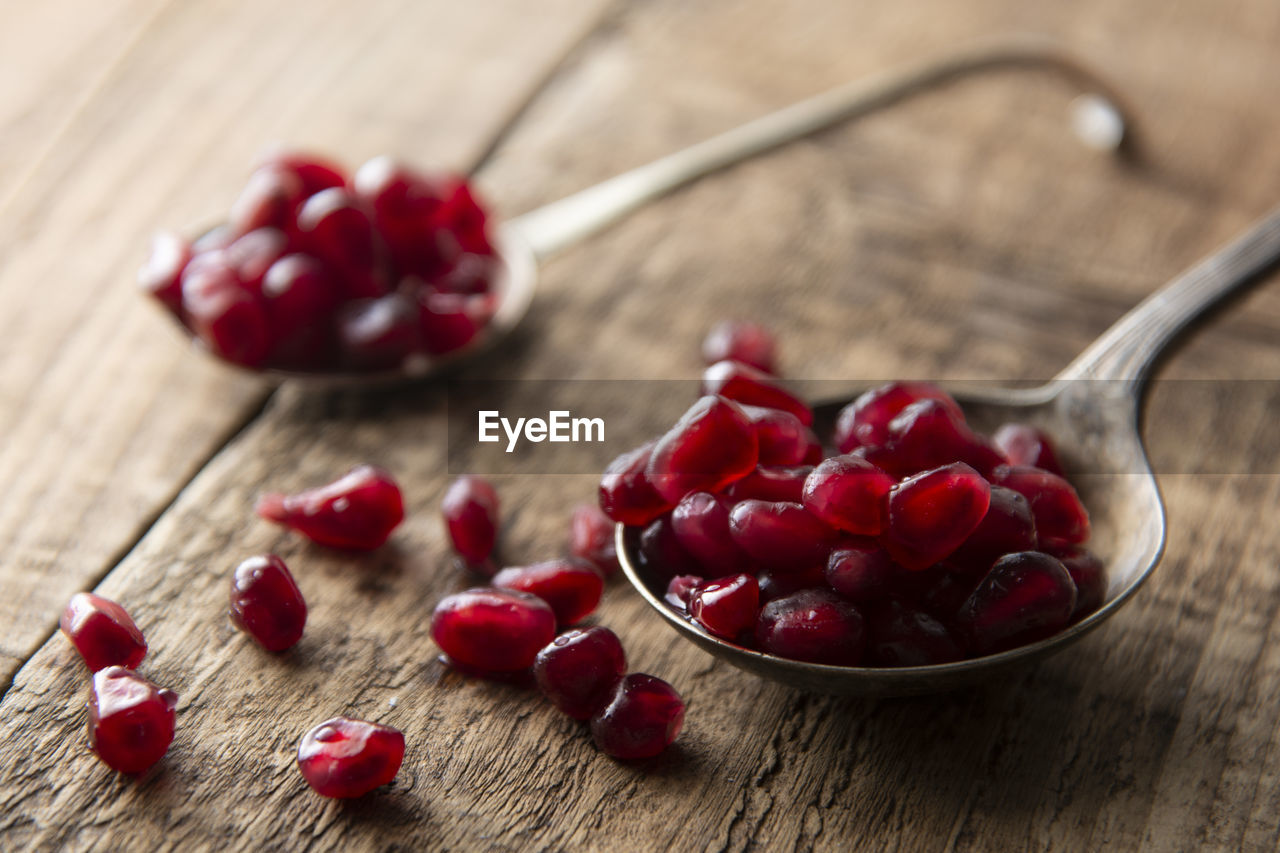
pixel 960 235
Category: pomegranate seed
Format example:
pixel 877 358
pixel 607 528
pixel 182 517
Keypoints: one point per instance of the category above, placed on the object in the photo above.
pixel 626 495
pixel 299 298
pixel 580 670
pixel 901 636
pixel 493 630
pixel 783 440
pixel 643 717
pixel 701 525
pixel 266 603
pixel 344 758
pixel 463 214
pixel 661 553
pixel 726 606
pixel 470 510
pixel 161 275
pixel 771 484
pixel 226 317
pixel 711 445
pixel 571 587
pixel 776 583
pixel 404 206
pixel 358 511
pixel 378 334
pixel 1023 444
pixel 744 384
pixel 1024 598
pixel 862 572
pixel 252 254
pixel 1089 576
pixel 814 626
pixel 1007 527
pixel 269 200
pixel 102 632
pixel 130 720
pixel 471 274
pixel 748 343
pixel 315 173
pixel 781 535
pixel 591 538
pixel 679 589
pixel 939 592
pixel 1061 518
pixel 927 434
pixel 849 494
pixel 451 321
pixel 931 514
pixel 337 231
pixel 865 421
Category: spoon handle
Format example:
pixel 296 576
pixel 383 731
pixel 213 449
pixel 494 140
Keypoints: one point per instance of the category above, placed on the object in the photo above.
pixel 560 224
pixel 1127 350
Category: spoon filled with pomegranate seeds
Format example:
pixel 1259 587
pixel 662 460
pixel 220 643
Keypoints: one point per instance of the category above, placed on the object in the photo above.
pixel 941 540
pixel 390 274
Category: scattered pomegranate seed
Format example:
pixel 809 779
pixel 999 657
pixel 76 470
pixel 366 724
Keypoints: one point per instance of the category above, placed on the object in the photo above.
pixel 1023 444
pixel 781 535
pixel 579 670
pixel 626 495
pixel 131 720
pixel 744 384
pixel 571 587
pixel 700 523
pixel 643 717
pixel 591 538
pixel 493 630
pixel 931 514
pixel 849 494
pixel 470 510
pixel 748 343
pixel 726 606
pixel 1024 598
pixel 712 445
pixel 866 420
pixel 102 632
pixel 266 603
pixel 357 512
pixel 344 758
pixel 813 625
pixel 1061 518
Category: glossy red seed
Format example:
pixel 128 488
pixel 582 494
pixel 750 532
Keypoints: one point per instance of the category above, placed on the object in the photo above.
pixel 161 275
pixel 316 173
pixel 335 229
pixel 493 630
pixel 404 205
pixel 266 603
pixel 470 510
pixel 771 484
pixel 1007 527
pixel 1024 598
pixel 344 758
pixel 783 440
pixel 679 589
pixel 299 297
pixel 931 514
pixel 1090 577
pixel 358 512
pixel 102 632
pixel 626 495
pixel 1061 518
pixel 269 200
pixel 865 421
pixel 661 553
pixel 711 445
pixel 131 720
pixel 252 254
pixel 579 670
pixel 744 384
pixel 591 538
pixel 644 716
pixel 701 525
pixel 1023 444
pixel 781 535
pixel 748 343
pixel 927 434
pixel 228 319
pixel 777 583
pixel 451 321
pixel 862 572
pixel 570 586
pixel 378 334
pixel 726 606
pixel 849 494
pixel 814 626
pixel 464 215
pixel 900 636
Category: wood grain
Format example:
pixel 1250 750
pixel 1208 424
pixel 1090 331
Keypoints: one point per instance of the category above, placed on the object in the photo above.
pixel 962 235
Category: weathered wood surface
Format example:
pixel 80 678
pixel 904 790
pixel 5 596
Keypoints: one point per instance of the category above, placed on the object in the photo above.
pixel 962 235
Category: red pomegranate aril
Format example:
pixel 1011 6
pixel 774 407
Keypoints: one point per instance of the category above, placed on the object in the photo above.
pixel 269 200
pixel 1025 597
pixel 661 553
pixel 701 525
pixel 679 590
pixel 862 572
pixel 266 603
pixel 344 758
pixel 815 626
pixel 778 583
pixel 299 298
pixel 471 274
pixel 927 434
pixel 591 538
pixel 726 606
pixel 931 514
pixel 865 421
pixel 470 510
pixel 315 172
pixel 1061 518
pixel 463 214
pixel 335 229
pixel 356 512
pixel 774 484
pixel 1023 444
pixel 711 445
pixel 102 632
pixel 900 636
pixel 378 334
pixel 451 321
pixel 493 630
pixel 849 494
pixel 747 343
pixel 1007 527
pixel 783 440
pixel 939 591
pixel 579 670
pixel 161 275
pixel 404 205
pixel 626 495
pixel 749 386
pixel 131 720
pixel 1090 577
pixel 570 586
pixel 228 319
pixel 252 254
pixel 644 716
pixel 781 535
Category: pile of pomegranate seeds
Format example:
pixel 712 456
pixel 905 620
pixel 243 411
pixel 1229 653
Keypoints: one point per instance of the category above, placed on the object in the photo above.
pixel 920 542
pixel 357 512
pixel 346 758
pixel 266 603
pixel 318 271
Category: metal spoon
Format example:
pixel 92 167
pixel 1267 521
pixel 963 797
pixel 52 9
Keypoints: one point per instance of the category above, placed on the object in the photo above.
pixel 1093 409
pixel 1098 121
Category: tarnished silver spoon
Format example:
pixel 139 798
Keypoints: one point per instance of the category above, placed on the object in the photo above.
pixel 1092 409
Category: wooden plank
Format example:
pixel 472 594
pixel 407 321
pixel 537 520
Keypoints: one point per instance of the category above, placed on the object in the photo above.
pixel 105 415
pixel 940 240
